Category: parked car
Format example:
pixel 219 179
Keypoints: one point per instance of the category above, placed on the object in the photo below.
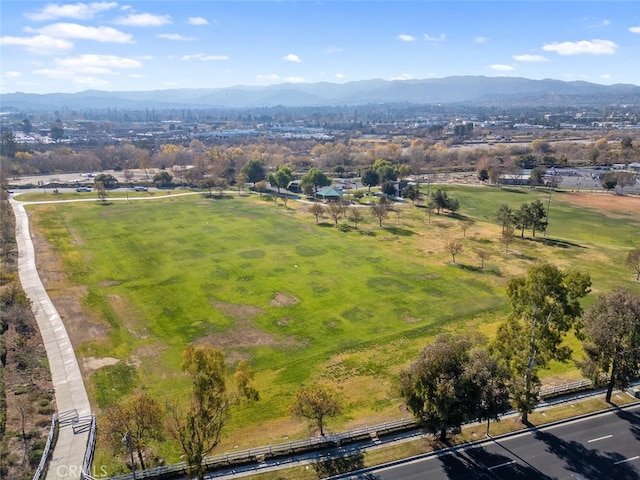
pixel 140 188
pixel 83 189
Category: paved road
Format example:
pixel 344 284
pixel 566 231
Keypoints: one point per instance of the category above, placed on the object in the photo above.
pixel 70 394
pixel 604 446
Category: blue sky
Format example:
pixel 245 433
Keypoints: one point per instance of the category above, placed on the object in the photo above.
pixel 149 45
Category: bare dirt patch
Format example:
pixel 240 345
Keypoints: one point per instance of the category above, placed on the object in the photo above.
pixel 67 298
pixel 236 311
pixel 284 299
pixel 606 203
pixel 93 363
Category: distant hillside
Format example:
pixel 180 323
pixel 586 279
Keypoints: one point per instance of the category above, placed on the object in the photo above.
pixel 472 90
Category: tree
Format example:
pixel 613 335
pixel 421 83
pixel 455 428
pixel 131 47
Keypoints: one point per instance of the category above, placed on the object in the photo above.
pixel 466 225
pixel 336 211
pixel 281 177
pixel 451 383
pixel 483 256
pixel 454 247
pixel 483 174
pixel 507 236
pixel 609 181
pixel 370 178
pixel 633 260
pixel 8 146
pixel 625 179
pixel 537 215
pixel 411 192
pixel 139 415
pixel 355 216
pixel 108 180
pixel 385 170
pixel 544 307
pixel 316 403
pixel 522 218
pixel 162 179
pixel 198 428
pixel 612 331
pixel 380 210
pixel 57 130
pixel 27 128
pixel 536 177
pixel 490 381
pixel 102 192
pixel 314 179
pixel 253 171
pixel 388 188
pixel 430 206
pixel 316 210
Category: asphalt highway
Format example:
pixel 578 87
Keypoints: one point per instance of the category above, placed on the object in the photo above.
pixel 599 447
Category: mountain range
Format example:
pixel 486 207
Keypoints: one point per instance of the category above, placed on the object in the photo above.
pixel 471 90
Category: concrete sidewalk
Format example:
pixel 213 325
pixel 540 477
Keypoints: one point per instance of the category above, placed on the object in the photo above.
pixel 70 395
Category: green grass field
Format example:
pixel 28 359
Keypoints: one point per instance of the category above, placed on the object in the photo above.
pixel 304 302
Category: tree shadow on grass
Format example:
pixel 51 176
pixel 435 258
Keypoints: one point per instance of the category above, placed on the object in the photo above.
pixel 340 464
pixel 401 232
pixel 552 242
pixel 585 462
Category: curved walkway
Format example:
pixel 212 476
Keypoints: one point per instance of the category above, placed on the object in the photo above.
pixel 70 394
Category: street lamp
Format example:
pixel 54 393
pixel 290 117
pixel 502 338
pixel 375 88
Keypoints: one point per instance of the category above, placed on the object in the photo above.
pixel 127 439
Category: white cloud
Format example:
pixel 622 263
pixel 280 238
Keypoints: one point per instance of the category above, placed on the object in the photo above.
pixel 295 80
pixel 39 44
pixel 332 49
pixel 634 29
pixel 593 47
pixel 74 30
pixel 144 20
pixel 292 58
pixel 271 77
pixel 78 11
pixel 404 76
pixel 197 21
pixel 481 39
pixel 501 68
pixel 205 58
pixel 12 74
pixel 406 38
pixel 605 76
pixel 97 64
pixel 175 36
pixel 340 75
pixel 530 58
pixel 440 38
pixel 92 82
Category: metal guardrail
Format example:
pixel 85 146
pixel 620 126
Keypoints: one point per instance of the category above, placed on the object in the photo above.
pixel 41 470
pixel 276 450
pixel 91 447
pixel 564 388
pixel 316 443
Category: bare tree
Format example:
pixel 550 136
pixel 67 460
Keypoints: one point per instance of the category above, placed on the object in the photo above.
pixel 507 236
pixel 355 216
pixel 317 210
pixel 336 210
pixel 483 256
pixel 380 210
pixel 454 247
pixel 633 260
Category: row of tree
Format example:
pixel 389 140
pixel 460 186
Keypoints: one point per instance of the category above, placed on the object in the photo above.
pixel 530 215
pixel 462 378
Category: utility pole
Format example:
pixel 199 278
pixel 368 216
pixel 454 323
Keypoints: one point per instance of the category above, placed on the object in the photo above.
pixel 127 439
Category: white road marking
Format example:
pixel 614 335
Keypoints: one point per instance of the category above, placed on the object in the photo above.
pixel 502 465
pixel 599 438
pixel 627 460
